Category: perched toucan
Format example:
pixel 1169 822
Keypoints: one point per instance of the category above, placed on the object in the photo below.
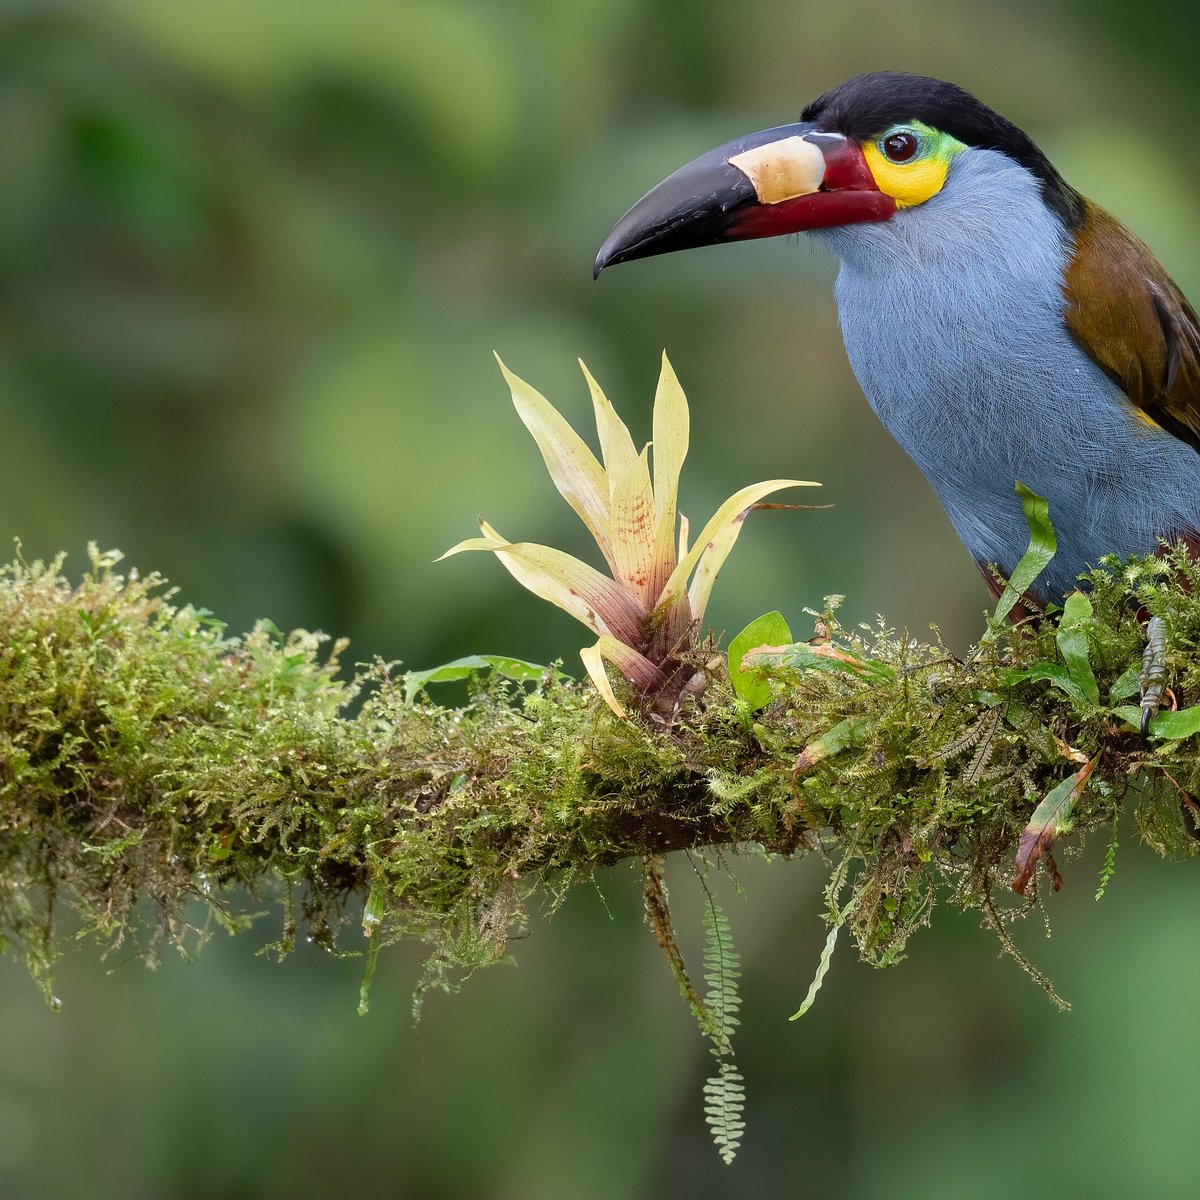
pixel 1002 326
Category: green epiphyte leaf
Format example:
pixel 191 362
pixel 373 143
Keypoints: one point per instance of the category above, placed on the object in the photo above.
pixel 463 668
pixel 364 988
pixel 1042 546
pixel 1056 674
pixel 769 629
pixel 375 907
pixel 1126 684
pixel 849 732
pixel 827 656
pixel 1110 862
pixel 1176 725
pixel 1169 726
pixel 822 971
pixel 1072 639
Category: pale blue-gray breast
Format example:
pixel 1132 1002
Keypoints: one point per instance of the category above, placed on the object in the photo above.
pixel 952 318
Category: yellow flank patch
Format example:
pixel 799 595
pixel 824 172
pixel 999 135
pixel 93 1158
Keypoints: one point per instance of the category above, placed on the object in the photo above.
pixel 1145 418
pixel 907 183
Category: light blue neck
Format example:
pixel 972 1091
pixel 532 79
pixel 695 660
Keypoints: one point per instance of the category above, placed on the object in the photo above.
pixel 952 314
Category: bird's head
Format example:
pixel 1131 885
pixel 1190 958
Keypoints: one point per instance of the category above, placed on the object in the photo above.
pixel 870 150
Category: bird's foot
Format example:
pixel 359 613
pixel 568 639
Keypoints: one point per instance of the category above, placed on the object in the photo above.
pixel 1153 679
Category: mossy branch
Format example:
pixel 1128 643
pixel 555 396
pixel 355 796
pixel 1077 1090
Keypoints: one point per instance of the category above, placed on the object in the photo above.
pixel 146 756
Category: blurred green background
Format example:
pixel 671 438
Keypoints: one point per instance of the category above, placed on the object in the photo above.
pixel 254 259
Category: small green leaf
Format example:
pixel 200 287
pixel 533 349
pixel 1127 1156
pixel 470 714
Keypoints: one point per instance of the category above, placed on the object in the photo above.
pixel 1072 639
pixel 1042 546
pixel 222 847
pixel 1016 714
pixel 1056 674
pixel 724 1105
pixel 515 668
pixel 1176 725
pixel 849 732
pixel 1130 714
pixel 374 908
pixel 364 988
pixel 272 630
pixel 463 668
pixel 1127 683
pixel 1171 726
pixel 822 971
pixel 769 629
pixel 802 656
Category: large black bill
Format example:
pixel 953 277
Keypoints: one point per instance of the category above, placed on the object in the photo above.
pixel 696 206
pixel 782 180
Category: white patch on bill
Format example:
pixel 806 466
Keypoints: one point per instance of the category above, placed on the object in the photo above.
pixel 782 170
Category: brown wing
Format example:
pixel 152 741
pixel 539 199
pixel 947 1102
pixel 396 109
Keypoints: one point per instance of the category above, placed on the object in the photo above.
pixel 1135 323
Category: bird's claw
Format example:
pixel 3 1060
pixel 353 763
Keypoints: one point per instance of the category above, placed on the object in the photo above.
pixel 1153 680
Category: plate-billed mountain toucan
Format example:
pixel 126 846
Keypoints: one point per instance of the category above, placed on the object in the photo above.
pixel 1002 326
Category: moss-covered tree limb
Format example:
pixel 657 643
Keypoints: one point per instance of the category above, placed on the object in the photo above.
pixel 146 756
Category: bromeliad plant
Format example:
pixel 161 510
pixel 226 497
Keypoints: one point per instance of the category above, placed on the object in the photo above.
pixel 648 612
pixel 647 615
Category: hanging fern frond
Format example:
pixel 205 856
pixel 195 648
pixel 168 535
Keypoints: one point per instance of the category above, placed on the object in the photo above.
pixel 724 1103
pixel 721 973
pixel 724 1092
pixel 716 1013
pixel 1110 860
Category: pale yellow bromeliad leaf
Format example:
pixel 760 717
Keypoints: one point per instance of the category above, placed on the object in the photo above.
pixel 649 611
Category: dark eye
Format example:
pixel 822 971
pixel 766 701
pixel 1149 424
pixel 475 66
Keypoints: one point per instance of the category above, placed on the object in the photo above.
pixel 900 147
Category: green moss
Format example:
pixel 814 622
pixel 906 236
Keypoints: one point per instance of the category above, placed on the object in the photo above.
pixel 150 764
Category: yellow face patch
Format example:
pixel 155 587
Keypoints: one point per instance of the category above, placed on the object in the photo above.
pixel 919 176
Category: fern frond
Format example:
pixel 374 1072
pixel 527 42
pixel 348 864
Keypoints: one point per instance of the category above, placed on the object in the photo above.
pixel 724 1104
pixel 965 741
pixel 989 726
pixel 716 1013
pixel 724 1092
pixel 724 1107
pixel 1110 860
pixel 721 973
